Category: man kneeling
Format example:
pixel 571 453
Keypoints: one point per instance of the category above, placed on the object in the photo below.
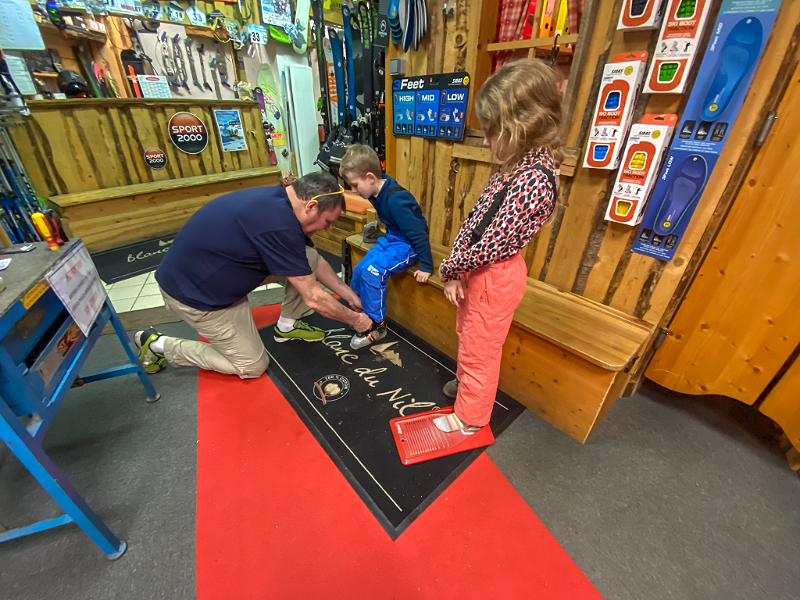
pixel 229 247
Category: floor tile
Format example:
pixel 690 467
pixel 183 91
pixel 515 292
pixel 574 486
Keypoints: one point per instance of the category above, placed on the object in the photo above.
pixel 138 280
pixel 122 306
pixel 273 286
pixel 122 293
pixel 150 289
pixel 153 301
pixel 260 288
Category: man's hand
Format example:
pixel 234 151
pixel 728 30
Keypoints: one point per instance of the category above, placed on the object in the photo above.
pixel 354 301
pixel 363 323
pixel 454 291
pixel 421 276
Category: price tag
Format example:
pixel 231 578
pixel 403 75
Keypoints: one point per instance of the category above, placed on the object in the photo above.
pixel 258 34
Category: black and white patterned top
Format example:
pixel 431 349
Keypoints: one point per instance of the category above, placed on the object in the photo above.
pixel 528 204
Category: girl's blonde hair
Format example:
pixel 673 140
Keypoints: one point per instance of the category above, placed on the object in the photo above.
pixel 522 104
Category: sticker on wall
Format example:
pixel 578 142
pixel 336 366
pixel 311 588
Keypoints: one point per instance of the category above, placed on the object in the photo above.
pixel 155 158
pixel 231 132
pixel 187 132
pixel 677 46
pixel 735 46
pixel 641 14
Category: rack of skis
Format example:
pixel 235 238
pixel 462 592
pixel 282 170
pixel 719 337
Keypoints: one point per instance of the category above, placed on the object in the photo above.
pixel 351 71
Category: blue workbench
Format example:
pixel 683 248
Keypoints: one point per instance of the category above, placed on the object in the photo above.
pixel 41 353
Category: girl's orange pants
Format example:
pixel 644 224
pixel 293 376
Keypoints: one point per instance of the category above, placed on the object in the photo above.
pixel 482 323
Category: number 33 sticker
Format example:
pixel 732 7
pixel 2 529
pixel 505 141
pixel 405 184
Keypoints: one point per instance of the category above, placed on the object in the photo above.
pixel 258 34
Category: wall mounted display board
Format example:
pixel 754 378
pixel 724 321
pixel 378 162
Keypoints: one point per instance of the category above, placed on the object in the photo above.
pixel 432 106
pixel 738 38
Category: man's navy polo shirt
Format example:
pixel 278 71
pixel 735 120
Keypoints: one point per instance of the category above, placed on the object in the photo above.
pixel 228 247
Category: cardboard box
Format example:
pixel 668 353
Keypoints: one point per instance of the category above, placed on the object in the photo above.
pixel 620 86
pixel 641 14
pixel 677 46
pixel 647 145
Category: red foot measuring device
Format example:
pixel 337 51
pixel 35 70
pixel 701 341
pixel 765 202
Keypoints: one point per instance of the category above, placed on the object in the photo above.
pixel 418 439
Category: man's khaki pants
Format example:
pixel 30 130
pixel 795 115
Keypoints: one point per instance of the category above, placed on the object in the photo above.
pixel 234 346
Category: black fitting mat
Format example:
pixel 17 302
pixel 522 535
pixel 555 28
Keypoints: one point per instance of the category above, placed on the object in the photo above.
pixel 400 375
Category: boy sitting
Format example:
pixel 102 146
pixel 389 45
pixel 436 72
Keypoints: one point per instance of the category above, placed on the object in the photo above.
pixel 405 243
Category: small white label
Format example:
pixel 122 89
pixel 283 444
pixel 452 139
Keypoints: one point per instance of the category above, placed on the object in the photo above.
pixel 258 34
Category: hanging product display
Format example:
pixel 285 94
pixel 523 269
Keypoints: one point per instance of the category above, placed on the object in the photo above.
pixel 677 46
pixel 431 105
pixel 188 43
pixel 641 14
pixel 644 153
pixel 724 77
pixel 619 89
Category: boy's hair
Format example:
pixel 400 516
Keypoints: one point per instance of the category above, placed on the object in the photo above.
pixel 323 185
pixel 360 160
pixel 522 104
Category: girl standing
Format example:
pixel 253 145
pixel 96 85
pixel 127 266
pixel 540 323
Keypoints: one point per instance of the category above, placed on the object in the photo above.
pixel 519 109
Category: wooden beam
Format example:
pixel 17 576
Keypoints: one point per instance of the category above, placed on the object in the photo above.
pixel 41 105
pixel 532 43
pixel 473 153
pixel 139 189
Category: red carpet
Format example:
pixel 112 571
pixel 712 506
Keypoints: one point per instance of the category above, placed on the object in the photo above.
pixel 276 519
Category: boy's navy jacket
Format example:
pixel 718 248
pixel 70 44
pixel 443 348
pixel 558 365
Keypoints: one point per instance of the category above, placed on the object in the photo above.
pixel 401 215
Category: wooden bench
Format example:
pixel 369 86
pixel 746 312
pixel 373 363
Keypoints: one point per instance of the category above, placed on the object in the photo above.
pixel 114 217
pixel 566 358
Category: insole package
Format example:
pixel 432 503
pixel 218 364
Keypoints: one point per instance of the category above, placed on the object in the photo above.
pixel 677 45
pixel 644 153
pixel 620 86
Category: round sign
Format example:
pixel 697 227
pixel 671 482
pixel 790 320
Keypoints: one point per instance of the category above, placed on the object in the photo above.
pixel 335 387
pixel 155 158
pixel 188 133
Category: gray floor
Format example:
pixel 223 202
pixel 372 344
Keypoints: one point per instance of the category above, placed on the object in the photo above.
pixel 134 463
pixel 673 497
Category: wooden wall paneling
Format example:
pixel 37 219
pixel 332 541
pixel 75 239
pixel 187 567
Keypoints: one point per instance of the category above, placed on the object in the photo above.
pixel 252 134
pixel 481 28
pixel 212 155
pixel 579 56
pixel 131 160
pixel 403 149
pixel 588 88
pixel 470 183
pixel 440 191
pixel 582 219
pixel 104 156
pixel 156 120
pixel 36 154
pixel 779 58
pixel 144 133
pixel 737 326
pixel 69 160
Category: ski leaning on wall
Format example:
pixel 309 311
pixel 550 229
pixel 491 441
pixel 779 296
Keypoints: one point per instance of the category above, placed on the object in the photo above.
pixel 352 69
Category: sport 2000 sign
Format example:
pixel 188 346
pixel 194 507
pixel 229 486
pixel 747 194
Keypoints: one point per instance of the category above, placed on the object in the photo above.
pixel 188 133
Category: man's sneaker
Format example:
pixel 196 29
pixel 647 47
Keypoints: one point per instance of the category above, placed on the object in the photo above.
pixel 152 361
pixel 362 340
pixel 450 389
pixel 302 331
